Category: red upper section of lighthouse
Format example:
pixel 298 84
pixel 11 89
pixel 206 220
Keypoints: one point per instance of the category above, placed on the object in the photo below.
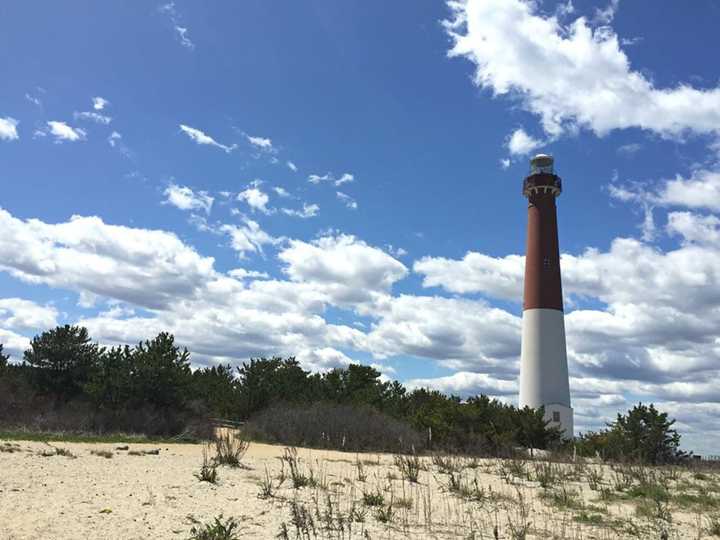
pixel 543 287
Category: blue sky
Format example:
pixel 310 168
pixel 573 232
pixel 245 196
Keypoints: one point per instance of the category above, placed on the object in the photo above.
pixel 340 181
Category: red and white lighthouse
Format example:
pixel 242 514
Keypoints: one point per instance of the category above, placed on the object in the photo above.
pixel 543 359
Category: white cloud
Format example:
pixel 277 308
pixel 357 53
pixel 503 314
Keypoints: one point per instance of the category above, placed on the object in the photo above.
pixel 99 103
pixel 322 359
pixel 255 199
pixel 8 129
pixel 328 177
pixel 21 314
pixel 458 333
pixel 14 344
pixel 520 143
pixel 93 116
pixel 292 166
pixel 700 190
pixel 180 31
pixel 344 179
pixel 504 163
pixel 261 143
pixel 63 132
pixel 347 200
pixel 144 267
pixel 242 273
pixel 607 14
pixel 317 179
pixel 694 228
pixel 500 277
pixel 571 76
pixel 467 383
pixel 32 99
pixel 629 149
pixel 184 198
pixel 201 137
pixel 114 138
pixel 281 191
pixel 248 237
pixel 346 268
pixel 308 211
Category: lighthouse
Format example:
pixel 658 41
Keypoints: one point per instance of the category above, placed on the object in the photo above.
pixel 543 358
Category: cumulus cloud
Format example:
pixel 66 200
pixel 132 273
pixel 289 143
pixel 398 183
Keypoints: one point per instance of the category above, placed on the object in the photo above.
pixel 99 103
pixel 184 198
pixel 322 359
pixel 468 383
pixel 255 198
pixel 248 237
pixel 201 137
pixel 499 277
pixel 8 129
pixel 144 267
pixel 63 132
pixel 292 166
pixel 573 76
pixel 21 314
pixel 520 143
pixel 699 191
pixel 14 344
pixel 346 268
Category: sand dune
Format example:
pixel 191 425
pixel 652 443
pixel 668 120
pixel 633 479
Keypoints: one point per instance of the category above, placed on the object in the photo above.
pixel 158 496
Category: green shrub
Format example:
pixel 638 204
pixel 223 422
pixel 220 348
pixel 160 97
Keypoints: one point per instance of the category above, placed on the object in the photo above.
pixel 219 529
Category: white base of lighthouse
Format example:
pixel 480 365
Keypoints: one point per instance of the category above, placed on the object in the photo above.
pixel 543 367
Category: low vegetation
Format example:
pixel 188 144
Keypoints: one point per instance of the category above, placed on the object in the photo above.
pixel 66 383
pixel 219 529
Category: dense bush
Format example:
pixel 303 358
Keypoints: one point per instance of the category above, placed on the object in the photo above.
pixel 353 428
pixel 643 435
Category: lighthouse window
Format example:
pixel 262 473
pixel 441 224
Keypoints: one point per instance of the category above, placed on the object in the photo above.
pixel 556 416
pixel 546 262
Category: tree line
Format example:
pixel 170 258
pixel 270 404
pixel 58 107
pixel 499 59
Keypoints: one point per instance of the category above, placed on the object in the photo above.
pixel 66 381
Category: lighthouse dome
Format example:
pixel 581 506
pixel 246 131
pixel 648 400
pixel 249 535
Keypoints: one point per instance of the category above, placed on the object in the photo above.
pixel 542 163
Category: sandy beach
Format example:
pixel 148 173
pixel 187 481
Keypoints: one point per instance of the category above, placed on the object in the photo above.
pixel 135 495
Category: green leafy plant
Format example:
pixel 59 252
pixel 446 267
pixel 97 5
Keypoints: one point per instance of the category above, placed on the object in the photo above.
pixel 219 529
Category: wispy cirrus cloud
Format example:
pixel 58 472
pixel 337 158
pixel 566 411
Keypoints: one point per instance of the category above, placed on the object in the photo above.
pixel 307 211
pixel 261 143
pixel 345 178
pixel 347 200
pixel 93 117
pixel 200 137
pixel 181 31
